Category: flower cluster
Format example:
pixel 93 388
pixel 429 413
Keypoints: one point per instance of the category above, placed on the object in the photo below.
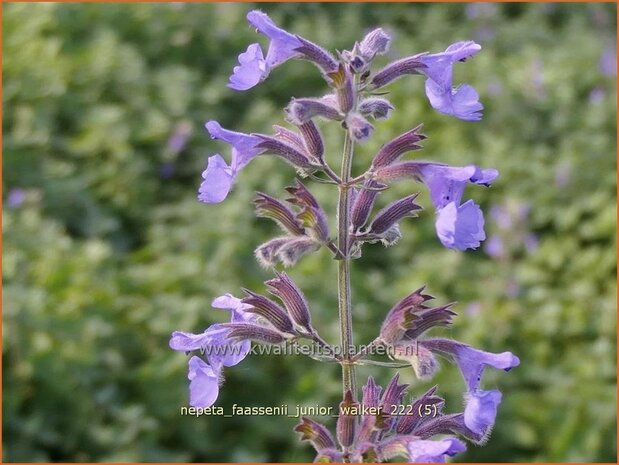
pixel 374 428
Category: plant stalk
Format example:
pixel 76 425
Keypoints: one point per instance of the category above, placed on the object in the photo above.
pixel 343 271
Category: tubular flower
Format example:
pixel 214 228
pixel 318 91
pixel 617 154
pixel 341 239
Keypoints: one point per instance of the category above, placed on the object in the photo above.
pixel 219 177
pixel 461 102
pixel 214 343
pixel 458 226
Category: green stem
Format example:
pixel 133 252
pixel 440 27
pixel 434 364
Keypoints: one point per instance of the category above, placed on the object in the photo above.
pixel 343 271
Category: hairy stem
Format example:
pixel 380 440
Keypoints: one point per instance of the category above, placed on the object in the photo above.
pixel 343 271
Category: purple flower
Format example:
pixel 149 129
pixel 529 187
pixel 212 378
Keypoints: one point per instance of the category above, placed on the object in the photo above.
pixel 481 409
pixel 473 361
pixel 253 66
pixel 252 69
pixel 457 226
pixel 460 227
pixel 481 406
pixel 203 383
pixel 283 44
pixel 461 102
pixel 219 350
pixel 425 451
pixel 219 176
pixel 447 183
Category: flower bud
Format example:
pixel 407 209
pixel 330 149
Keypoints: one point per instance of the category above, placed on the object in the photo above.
pixel 376 42
pixel 317 55
pixel 394 393
pixel 371 393
pixel 287 152
pixel 342 81
pixel 423 409
pixel 315 220
pixel 313 141
pixel 244 331
pixel 291 251
pixel 399 171
pixel 312 215
pixel 393 213
pixel 293 300
pixel 358 127
pixel 316 434
pixel 393 150
pixel 357 62
pixel 301 196
pixel 269 207
pixel 301 110
pixel 362 205
pixel 269 310
pixel 346 420
pixel 289 137
pixel 439 316
pixel 376 107
pixel 397 69
pixel 402 316
pixel 266 253
pixel 370 424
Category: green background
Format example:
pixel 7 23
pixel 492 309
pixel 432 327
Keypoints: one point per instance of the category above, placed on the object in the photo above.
pixel 110 251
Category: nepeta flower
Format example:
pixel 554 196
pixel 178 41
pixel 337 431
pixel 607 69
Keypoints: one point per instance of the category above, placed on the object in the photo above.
pixel 214 343
pixel 219 176
pixel 473 361
pixel 461 102
pixel 458 226
pixel 423 451
pixel 481 406
pixel 253 66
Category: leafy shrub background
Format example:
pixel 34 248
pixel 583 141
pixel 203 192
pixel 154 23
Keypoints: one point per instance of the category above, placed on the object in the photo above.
pixel 109 251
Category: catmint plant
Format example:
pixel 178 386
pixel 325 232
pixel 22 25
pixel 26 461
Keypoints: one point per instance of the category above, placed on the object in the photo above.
pixel 374 424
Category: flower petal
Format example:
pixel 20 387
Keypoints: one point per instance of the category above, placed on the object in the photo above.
pixel 460 227
pixel 446 183
pixel 424 451
pixel 185 342
pixel 473 361
pixel 463 102
pixel 218 179
pixel 283 44
pixel 481 409
pixel 252 69
pixel 204 383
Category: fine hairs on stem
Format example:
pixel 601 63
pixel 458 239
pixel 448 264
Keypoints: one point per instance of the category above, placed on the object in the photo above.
pixel 374 424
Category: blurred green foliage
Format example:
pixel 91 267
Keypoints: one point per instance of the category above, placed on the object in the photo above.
pixel 109 250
